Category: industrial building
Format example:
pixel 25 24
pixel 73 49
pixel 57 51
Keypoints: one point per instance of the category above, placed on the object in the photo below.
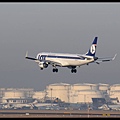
pixel 16 95
pixel 79 93
pixel 76 93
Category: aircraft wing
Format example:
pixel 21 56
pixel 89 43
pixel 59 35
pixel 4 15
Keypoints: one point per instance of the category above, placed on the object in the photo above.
pixel 31 58
pixel 99 60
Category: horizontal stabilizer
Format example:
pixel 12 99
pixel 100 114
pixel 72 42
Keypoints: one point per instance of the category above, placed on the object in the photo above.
pixel 99 60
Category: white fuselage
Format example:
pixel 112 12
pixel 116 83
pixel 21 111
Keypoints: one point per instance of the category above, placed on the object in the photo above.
pixel 65 59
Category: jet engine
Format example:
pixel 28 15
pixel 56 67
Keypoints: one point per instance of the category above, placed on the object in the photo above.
pixel 43 65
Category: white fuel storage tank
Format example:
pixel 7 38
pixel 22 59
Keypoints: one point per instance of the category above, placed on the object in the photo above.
pixel 13 94
pixel 84 92
pixel 85 96
pixel 39 94
pixel 103 87
pixel 59 90
pixel 114 91
pixel 84 86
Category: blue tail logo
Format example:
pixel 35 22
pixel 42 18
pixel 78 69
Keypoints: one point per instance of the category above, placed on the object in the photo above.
pixel 92 49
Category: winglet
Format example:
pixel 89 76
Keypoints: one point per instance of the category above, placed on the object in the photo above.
pixel 114 56
pixel 26 54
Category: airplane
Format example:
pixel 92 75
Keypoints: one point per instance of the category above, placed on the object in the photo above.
pixel 109 107
pixel 15 105
pixel 70 61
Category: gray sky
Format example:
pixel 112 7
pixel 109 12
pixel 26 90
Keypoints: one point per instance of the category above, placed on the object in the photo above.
pixel 57 27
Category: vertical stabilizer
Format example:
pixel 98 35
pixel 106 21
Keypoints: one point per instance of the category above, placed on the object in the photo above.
pixel 92 49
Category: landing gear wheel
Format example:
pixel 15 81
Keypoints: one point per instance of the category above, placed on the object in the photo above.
pixel 55 70
pixel 73 71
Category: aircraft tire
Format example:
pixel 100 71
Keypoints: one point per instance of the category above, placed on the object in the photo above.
pixel 55 70
pixel 73 71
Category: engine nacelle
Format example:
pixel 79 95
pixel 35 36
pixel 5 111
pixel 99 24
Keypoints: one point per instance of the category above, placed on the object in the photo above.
pixel 43 65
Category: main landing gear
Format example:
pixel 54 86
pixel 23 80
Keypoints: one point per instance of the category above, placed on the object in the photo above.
pixel 73 70
pixel 55 70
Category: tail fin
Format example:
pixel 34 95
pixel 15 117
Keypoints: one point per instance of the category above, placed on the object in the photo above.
pixel 92 49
